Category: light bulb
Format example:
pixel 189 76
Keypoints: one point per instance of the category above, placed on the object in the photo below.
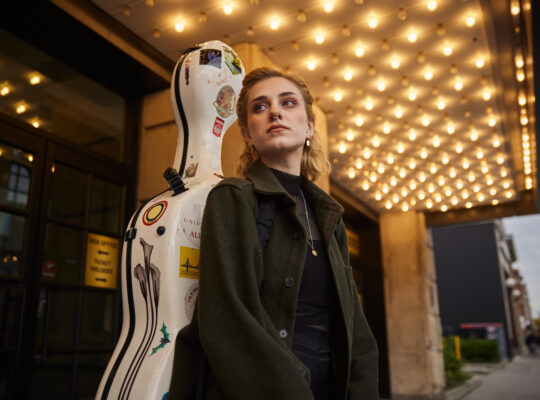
pixel 338 96
pixel 350 135
pixel 274 23
pixel 447 50
pixel 348 75
pixel 458 84
pixel 428 74
pixel 20 108
pixel 342 147
pixel 4 91
pixel 228 8
pixel 369 104
pixel 514 7
pixel 431 5
pixel 381 85
pixel 486 94
pixel 518 60
pixel 35 80
pixel 359 51
pixel 179 26
pixel 412 36
pixel 480 62
pixel 470 21
pixel 319 37
pixel 441 104
pixel 398 112
pixel 328 6
pixel 373 22
pixel 412 94
pixel 395 63
pixel 311 65
pixel 359 121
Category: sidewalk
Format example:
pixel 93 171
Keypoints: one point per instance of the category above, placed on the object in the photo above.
pixel 515 380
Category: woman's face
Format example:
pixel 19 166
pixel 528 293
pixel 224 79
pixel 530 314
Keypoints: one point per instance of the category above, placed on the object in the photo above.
pixel 277 123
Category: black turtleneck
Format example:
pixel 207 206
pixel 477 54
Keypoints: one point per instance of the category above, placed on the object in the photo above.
pixel 317 295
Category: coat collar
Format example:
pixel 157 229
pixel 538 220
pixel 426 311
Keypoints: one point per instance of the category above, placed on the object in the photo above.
pixel 265 182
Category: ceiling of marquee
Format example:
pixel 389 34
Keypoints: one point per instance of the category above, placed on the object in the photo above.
pixel 411 89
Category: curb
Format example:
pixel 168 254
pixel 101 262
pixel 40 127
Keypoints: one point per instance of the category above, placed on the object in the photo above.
pixel 461 391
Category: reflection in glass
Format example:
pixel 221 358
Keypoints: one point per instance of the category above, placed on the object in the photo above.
pixel 105 201
pixel 48 94
pixel 15 167
pixel 97 320
pixel 67 200
pixel 11 244
pixel 8 316
pixel 56 382
pixel 62 255
pixel 60 313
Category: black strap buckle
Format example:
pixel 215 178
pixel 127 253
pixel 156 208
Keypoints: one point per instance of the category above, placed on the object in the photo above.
pixel 174 180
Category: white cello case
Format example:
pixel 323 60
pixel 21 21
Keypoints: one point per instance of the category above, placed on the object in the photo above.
pixel 160 255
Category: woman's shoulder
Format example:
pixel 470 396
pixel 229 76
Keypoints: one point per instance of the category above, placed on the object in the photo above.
pixel 233 188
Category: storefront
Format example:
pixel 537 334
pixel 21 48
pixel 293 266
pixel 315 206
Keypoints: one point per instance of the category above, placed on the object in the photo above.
pixel 67 178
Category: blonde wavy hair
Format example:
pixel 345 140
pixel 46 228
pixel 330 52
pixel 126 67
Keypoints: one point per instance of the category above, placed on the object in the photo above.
pixel 314 162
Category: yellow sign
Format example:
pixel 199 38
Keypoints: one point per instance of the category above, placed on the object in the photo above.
pixel 189 262
pixel 101 261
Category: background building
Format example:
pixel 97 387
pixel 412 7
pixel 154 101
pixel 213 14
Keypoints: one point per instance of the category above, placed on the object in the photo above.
pixel 474 264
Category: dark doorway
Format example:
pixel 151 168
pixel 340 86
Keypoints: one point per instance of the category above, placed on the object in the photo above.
pixel 365 255
pixel 58 323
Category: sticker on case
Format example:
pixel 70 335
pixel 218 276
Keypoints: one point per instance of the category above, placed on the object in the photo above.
pixel 154 213
pixel 210 57
pixel 218 127
pixel 225 101
pixel 189 262
pixel 233 62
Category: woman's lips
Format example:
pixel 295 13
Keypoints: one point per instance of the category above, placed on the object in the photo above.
pixel 276 128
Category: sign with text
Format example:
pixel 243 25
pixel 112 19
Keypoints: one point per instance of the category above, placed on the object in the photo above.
pixel 101 261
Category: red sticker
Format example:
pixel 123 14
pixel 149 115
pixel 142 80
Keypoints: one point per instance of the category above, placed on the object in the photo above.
pixel 218 127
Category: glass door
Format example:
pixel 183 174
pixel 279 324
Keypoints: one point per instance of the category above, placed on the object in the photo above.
pixel 62 215
pixel 22 158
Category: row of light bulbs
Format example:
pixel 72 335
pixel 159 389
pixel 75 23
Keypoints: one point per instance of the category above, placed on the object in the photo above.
pixel 519 64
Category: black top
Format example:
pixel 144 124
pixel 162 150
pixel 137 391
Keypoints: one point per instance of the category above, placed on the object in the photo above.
pixel 317 295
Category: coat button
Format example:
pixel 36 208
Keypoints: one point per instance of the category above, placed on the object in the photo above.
pixel 297 235
pixel 283 333
pixel 289 281
pixel 303 370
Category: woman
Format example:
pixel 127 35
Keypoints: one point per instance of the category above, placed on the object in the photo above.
pixel 283 323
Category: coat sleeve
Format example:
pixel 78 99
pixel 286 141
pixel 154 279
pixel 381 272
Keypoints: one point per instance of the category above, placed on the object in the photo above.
pixel 244 350
pixel 363 381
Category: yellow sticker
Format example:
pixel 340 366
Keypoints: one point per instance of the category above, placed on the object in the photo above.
pixel 101 261
pixel 189 262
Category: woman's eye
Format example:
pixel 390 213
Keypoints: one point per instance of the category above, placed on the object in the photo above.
pixel 259 107
pixel 289 103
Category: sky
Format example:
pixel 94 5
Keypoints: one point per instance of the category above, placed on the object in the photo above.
pixel 526 233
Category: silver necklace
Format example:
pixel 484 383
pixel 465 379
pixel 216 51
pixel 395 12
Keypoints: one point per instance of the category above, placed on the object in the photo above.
pixel 313 251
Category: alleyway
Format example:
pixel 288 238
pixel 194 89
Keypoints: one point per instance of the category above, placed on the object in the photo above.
pixel 517 380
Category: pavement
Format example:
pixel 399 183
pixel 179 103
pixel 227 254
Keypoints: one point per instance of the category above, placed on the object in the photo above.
pixel 518 379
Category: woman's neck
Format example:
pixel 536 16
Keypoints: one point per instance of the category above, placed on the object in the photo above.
pixel 288 165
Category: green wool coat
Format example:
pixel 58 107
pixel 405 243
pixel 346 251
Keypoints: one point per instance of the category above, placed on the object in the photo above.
pixel 244 318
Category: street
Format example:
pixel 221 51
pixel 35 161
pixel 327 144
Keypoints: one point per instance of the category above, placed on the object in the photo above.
pixel 517 380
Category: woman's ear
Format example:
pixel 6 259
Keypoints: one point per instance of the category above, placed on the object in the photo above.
pixel 311 129
pixel 246 136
